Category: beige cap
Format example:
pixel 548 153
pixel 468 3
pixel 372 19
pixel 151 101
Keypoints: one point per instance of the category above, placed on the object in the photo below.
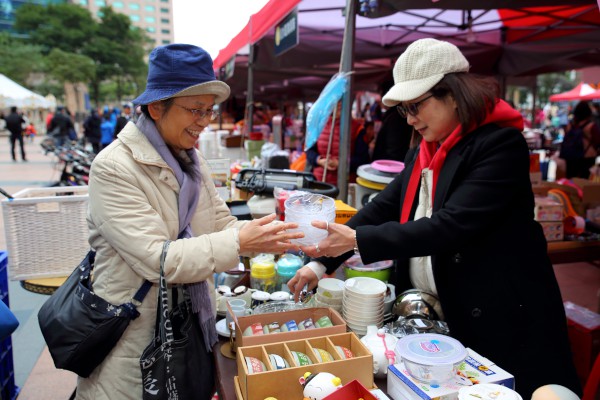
pixel 422 65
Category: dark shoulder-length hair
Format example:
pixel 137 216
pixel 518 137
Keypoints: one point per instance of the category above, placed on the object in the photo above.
pixel 187 166
pixel 475 96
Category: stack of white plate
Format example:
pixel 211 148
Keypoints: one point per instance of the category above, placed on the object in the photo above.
pixel 363 303
pixel 330 293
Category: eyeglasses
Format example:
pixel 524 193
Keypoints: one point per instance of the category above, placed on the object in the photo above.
pixel 412 108
pixel 198 113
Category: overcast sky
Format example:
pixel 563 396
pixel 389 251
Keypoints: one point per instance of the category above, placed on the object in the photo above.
pixel 211 24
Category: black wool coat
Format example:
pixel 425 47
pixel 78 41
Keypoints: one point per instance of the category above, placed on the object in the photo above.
pixel 494 279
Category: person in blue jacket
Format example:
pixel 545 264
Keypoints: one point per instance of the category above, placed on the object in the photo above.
pixel 107 130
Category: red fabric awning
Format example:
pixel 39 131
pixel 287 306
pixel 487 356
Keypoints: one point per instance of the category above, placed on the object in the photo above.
pixel 258 25
pixel 579 92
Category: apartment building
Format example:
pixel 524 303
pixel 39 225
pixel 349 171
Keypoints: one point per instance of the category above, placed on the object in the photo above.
pixel 153 16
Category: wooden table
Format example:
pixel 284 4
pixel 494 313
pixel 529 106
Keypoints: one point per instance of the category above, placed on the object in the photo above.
pixel 573 251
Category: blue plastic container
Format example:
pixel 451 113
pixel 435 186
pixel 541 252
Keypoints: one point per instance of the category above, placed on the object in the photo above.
pixel 287 265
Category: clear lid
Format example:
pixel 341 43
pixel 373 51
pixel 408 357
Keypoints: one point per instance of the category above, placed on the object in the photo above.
pixel 431 349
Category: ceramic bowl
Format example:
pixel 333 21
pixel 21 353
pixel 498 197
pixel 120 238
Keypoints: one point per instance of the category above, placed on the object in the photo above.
pixel 331 288
pixel 366 287
pixel 370 303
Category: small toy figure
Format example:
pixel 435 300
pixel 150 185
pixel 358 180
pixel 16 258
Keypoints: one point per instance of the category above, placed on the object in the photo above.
pixel 320 385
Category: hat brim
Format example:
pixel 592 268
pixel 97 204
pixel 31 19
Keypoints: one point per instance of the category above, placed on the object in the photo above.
pixel 410 90
pixel 218 88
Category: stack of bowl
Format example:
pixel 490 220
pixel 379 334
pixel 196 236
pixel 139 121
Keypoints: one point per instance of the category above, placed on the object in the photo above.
pixel 363 303
pixel 330 293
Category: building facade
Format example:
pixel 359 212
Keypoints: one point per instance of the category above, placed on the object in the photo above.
pixel 155 17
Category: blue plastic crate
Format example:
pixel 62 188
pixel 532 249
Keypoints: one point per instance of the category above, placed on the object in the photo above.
pixel 8 389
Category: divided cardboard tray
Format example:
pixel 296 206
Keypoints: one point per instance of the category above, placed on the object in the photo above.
pixel 284 383
pixel 241 323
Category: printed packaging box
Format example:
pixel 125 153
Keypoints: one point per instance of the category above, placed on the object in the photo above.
pixel 474 370
pixel 284 383
pixel 241 323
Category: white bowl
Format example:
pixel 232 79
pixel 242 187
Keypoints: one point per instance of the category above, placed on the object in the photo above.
pixel 331 287
pixel 329 300
pixel 357 320
pixel 357 312
pixel 366 287
pixel 370 302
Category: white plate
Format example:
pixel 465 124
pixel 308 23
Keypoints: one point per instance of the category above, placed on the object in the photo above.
pixel 222 328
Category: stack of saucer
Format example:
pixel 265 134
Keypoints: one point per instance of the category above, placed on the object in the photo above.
pixel 330 293
pixel 363 303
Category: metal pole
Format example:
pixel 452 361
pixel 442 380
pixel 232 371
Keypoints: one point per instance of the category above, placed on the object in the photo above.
pixel 346 65
pixel 250 92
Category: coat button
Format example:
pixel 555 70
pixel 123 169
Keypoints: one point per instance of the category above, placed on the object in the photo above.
pixel 476 312
pixel 457 258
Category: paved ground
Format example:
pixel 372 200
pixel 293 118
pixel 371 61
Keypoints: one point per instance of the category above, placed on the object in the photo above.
pixel 28 343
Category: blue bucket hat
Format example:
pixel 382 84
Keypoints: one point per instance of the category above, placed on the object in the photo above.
pixel 177 70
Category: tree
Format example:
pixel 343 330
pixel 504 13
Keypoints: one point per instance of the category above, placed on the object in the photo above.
pixel 80 49
pixel 119 53
pixel 67 27
pixel 18 60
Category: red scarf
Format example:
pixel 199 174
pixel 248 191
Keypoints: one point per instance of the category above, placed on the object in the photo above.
pixel 432 157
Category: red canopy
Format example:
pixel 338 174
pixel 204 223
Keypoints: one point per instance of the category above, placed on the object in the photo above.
pixel 258 25
pixel 579 92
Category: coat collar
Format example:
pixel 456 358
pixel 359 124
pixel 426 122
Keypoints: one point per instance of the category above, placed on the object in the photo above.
pixel 141 148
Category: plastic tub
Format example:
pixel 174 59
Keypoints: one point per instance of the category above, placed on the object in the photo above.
pixel 303 209
pixel 431 358
pixel 354 267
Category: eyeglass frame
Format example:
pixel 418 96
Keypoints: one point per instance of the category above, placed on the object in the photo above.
pixel 412 108
pixel 199 113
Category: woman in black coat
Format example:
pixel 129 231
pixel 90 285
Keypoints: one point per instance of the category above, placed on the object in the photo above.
pixel 459 220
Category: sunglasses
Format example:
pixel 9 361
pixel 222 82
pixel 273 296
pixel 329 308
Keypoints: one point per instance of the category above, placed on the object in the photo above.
pixel 412 108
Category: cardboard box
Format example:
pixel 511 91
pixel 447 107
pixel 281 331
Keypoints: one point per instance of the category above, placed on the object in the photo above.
pixel 339 326
pixel 584 335
pixel 535 178
pixel 343 212
pixel 553 230
pixel 477 369
pixel 547 209
pixel 591 192
pixel 284 384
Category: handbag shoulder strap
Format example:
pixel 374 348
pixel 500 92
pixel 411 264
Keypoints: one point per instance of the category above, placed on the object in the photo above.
pixel 87 265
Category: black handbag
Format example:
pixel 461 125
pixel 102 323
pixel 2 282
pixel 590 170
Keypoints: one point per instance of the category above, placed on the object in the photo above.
pixel 79 327
pixel 176 365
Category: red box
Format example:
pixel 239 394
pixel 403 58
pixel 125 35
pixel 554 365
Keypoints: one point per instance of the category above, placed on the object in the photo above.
pixel 351 391
pixel 584 335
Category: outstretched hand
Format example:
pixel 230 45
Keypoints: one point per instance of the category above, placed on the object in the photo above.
pixel 339 240
pixel 262 236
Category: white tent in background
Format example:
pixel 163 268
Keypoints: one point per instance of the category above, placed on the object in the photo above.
pixel 13 94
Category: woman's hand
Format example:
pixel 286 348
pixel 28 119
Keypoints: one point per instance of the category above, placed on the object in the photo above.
pixel 304 277
pixel 340 239
pixel 260 236
pixel 331 164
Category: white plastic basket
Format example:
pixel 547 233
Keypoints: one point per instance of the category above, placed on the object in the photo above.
pixel 46 231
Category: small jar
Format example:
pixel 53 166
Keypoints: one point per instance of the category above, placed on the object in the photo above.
pixel 287 265
pixel 262 276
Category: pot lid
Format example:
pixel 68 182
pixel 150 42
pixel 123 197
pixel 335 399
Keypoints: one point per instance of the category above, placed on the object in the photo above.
pixel 431 349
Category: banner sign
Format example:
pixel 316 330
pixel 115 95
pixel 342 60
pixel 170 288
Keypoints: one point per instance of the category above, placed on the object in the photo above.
pixel 287 34
pixel 229 67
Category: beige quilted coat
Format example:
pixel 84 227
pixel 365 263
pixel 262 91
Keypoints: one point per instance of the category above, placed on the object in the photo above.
pixel 132 211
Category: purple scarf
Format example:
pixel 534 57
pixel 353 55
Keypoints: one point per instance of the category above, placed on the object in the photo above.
pixel 189 193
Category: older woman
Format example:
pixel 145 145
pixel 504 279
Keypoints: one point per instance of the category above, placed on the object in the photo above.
pixel 459 220
pixel 150 185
